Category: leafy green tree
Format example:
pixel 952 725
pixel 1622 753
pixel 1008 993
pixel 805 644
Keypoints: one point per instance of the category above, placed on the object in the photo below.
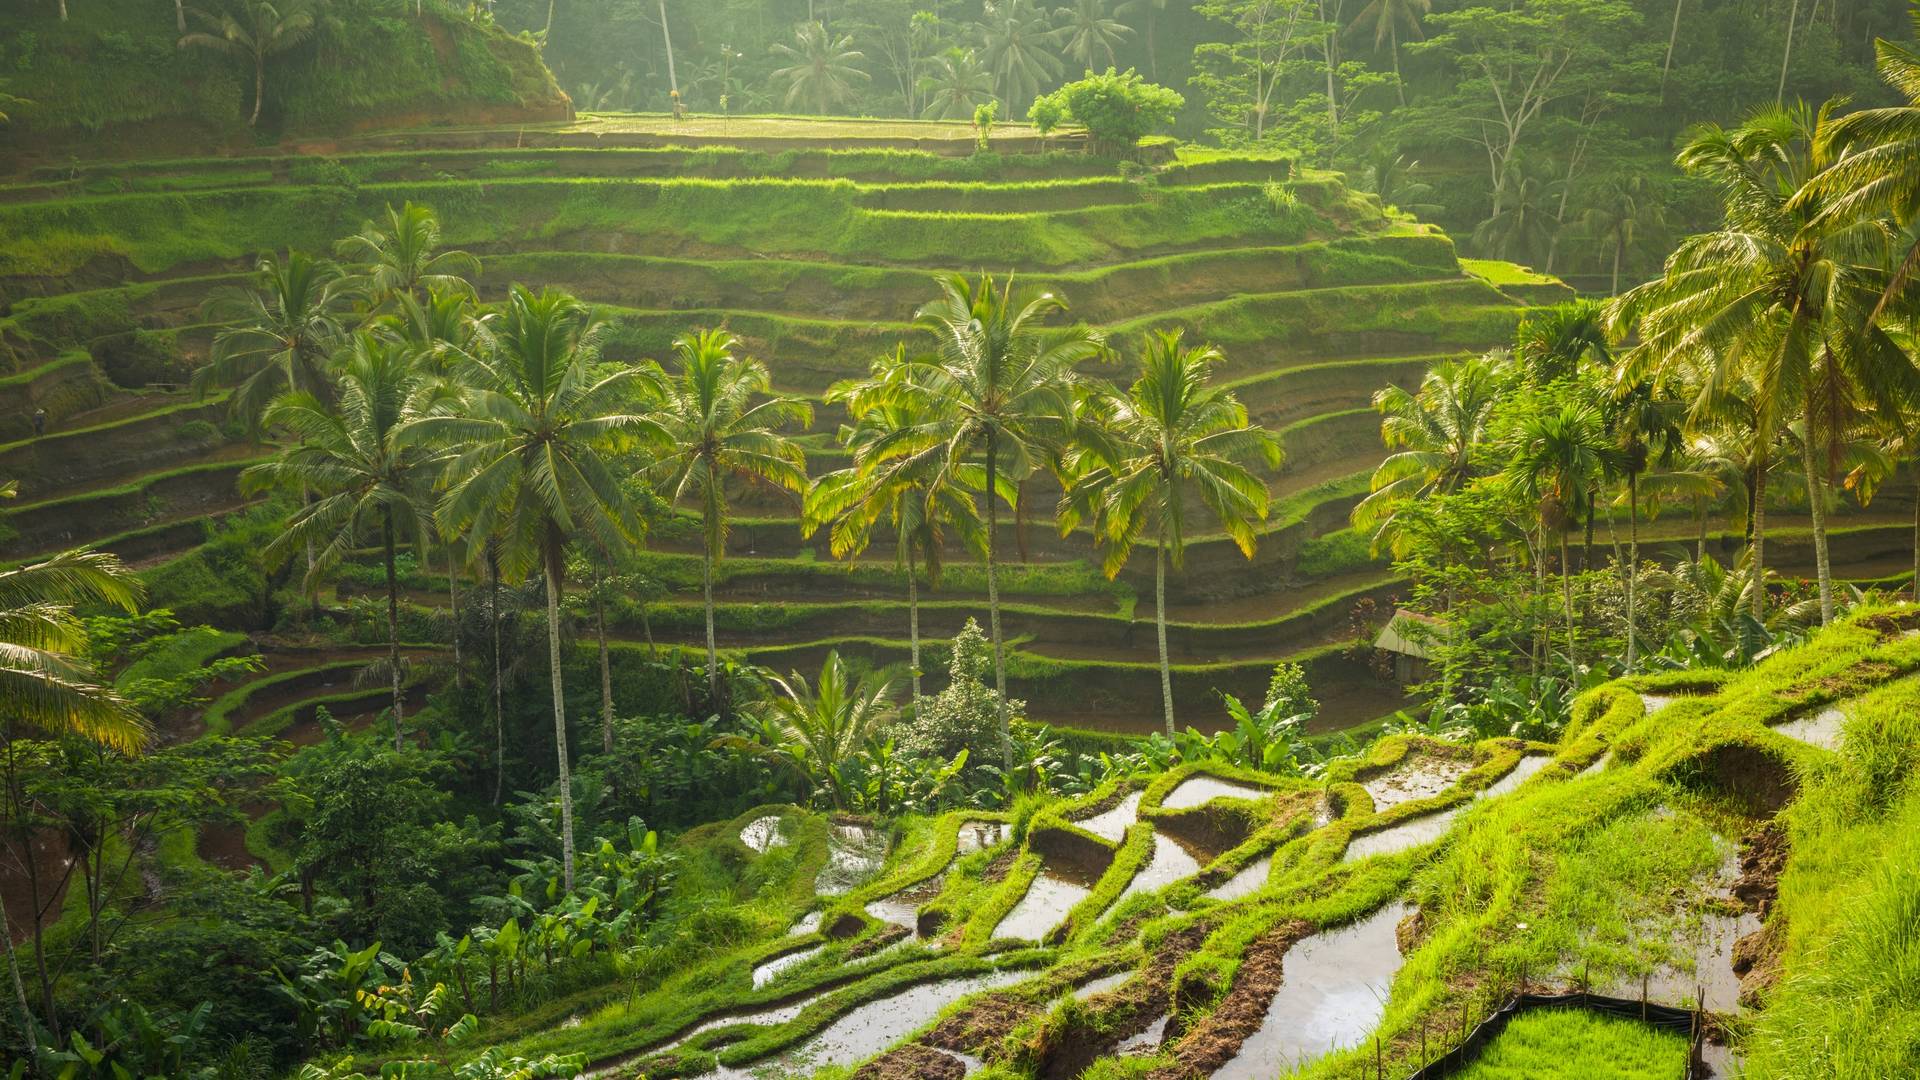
pixel 955 85
pixel 1169 441
pixel 276 335
pixel 261 30
pixel 401 259
pixel 353 457
pixel 531 465
pixel 997 390
pixel 1239 78
pixel 709 430
pixel 967 716
pixel 823 71
pixel 1117 109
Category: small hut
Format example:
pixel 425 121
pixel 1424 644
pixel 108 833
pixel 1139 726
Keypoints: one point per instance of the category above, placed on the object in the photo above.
pixel 1410 637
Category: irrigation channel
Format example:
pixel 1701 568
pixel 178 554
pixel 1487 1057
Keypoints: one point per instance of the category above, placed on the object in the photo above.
pixel 1336 982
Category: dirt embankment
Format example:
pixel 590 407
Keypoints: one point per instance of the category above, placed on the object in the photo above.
pixel 1756 957
pixel 1217 1038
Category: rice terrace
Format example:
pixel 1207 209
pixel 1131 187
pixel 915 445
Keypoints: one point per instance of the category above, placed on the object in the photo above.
pixel 875 539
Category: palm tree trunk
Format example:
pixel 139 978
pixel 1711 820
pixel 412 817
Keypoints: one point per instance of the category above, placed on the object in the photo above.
pixel 1673 37
pixel 259 88
pixel 606 668
pixel 1393 43
pixel 1817 504
pixel 913 624
pixel 453 598
pixel 1793 15
pixel 1916 536
pixel 20 995
pixel 713 653
pixel 1160 628
pixel 993 605
pixel 393 622
pixel 1757 515
pixel 1633 567
pixel 1700 515
pixel 547 33
pixel 1566 596
pixel 559 709
pixel 1618 246
pixel 499 715
pixel 673 80
pixel 1540 602
pixel 180 15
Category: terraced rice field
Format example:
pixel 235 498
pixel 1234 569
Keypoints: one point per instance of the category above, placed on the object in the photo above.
pixel 816 251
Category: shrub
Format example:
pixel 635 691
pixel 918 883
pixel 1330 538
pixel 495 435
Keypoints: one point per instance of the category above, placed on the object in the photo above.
pixel 1116 108
pixel 966 715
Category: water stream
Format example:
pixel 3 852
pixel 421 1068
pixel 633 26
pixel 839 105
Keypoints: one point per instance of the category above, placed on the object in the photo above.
pixel 1333 992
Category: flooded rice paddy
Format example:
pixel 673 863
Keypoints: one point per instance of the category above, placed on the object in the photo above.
pixel 1411 833
pixel 1201 790
pixel 763 834
pixel 1052 894
pixel 854 854
pixel 1522 771
pixel 1112 824
pixel 1822 729
pixel 1245 883
pixel 1416 778
pixel 771 970
pixel 1170 862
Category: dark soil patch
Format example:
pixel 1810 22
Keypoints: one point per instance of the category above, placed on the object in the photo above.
pixel 1756 957
pixel 1071 851
pixel 983 1025
pixel 912 1062
pixel 996 870
pixel 846 926
pixel 874 944
pixel 1863 674
pixel 1208 1047
pixel 1754 780
pixel 1125 1011
pixel 1889 625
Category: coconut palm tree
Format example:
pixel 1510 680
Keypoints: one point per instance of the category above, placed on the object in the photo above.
pixel 1435 433
pixel 400 258
pixel 1625 209
pixel 999 386
pixel 908 492
pixel 1555 459
pixel 1386 18
pixel 1150 453
pixel 1782 292
pixel 711 431
pixel 530 465
pixel 277 334
pixel 1645 423
pixel 821 726
pixel 363 473
pixel 261 29
pixel 47 686
pixel 1087 34
pixel 822 71
pixel 1016 44
pixel 956 84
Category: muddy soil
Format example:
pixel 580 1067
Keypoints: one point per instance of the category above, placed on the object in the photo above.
pixel 1214 1042
pixel 912 1062
pixel 1418 777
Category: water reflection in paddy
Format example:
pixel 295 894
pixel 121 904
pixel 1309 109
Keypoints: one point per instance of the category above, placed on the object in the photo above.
pixel 1333 991
pixel 1170 863
pixel 1201 790
pixel 1112 824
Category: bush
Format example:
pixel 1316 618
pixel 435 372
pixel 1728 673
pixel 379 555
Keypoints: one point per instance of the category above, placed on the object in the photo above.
pixel 966 715
pixel 1116 108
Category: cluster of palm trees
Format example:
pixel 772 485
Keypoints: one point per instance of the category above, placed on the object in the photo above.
pixel 1016 50
pixel 408 411
pixel 1784 340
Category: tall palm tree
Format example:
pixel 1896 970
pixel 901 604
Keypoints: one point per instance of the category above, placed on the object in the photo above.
pixel 1521 225
pixel 1646 426
pixel 1625 209
pixel 711 430
pixel 1087 33
pixel 1386 18
pixel 822 71
pixel 1435 433
pixel 261 29
pixel 999 384
pixel 908 492
pixel 1783 292
pixel 956 84
pixel 47 686
pixel 1170 440
pixel 277 334
pixel 1875 163
pixel 1554 460
pixel 1016 44
pixel 352 457
pixel 530 465
pixel 400 258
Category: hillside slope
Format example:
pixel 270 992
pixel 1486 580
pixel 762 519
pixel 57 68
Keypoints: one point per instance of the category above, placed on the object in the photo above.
pixel 113 80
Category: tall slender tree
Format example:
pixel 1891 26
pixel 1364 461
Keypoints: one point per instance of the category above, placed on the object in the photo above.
pixel 400 259
pixel 276 334
pixel 531 462
pixel 256 31
pixel 999 386
pixel 1151 456
pixel 710 430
